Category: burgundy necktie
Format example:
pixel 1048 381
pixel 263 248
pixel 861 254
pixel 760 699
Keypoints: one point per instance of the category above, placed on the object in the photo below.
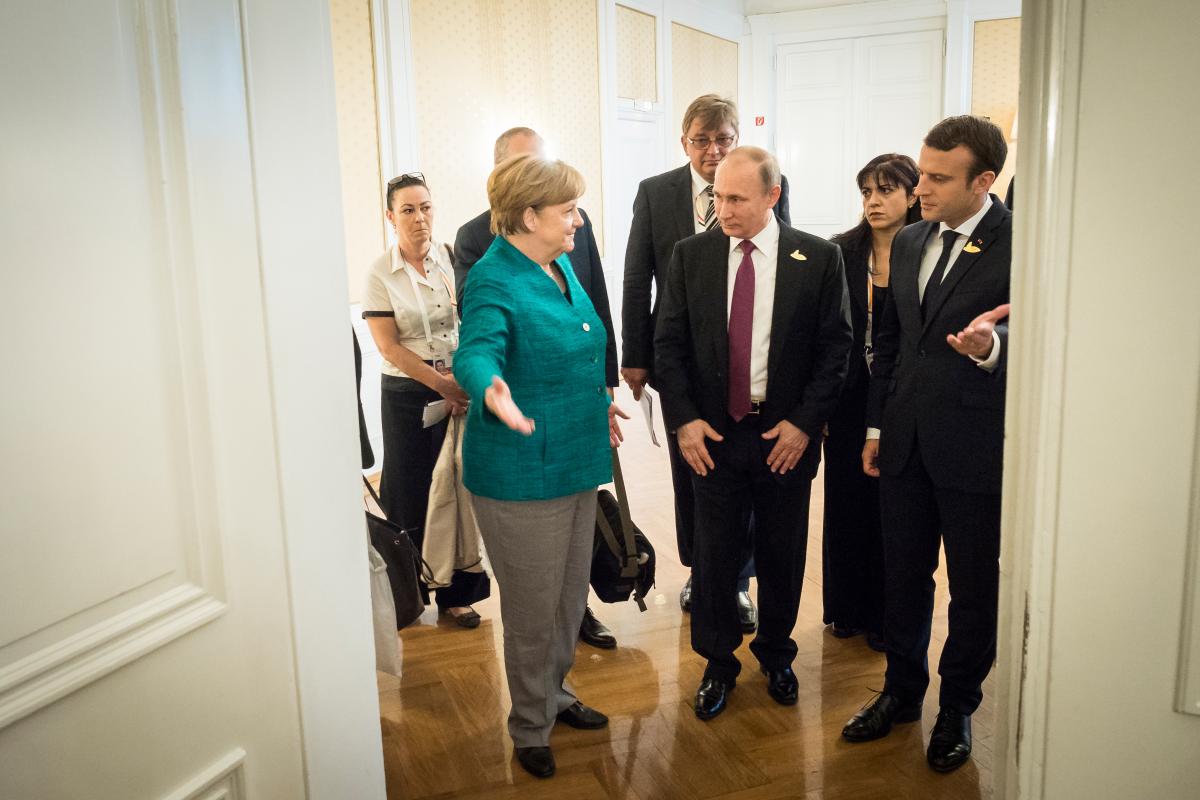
pixel 741 325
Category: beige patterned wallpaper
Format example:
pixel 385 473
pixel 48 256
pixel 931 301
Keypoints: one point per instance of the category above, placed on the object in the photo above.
pixel 482 66
pixel 637 55
pixel 995 79
pixel 700 63
pixel 358 136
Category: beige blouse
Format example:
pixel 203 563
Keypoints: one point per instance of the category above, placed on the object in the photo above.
pixel 423 306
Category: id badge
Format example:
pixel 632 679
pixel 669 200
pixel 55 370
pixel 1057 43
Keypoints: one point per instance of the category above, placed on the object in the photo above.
pixel 440 365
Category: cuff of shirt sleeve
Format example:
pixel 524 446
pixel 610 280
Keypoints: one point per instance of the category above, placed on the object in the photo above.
pixel 872 433
pixel 993 358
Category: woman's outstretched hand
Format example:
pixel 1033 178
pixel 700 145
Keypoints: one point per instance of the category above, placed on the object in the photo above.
pixel 499 401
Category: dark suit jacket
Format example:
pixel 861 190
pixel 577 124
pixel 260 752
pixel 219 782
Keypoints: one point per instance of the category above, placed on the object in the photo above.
pixel 923 392
pixel 810 336
pixel 857 270
pixel 475 237
pixel 663 214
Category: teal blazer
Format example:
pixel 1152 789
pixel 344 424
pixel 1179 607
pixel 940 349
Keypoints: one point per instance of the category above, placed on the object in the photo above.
pixel 549 348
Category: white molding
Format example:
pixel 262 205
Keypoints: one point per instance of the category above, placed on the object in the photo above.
pixel 859 15
pixel 1187 700
pixel 391 26
pixel 961 16
pixel 224 779
pixel 65 666
pixel 1050 74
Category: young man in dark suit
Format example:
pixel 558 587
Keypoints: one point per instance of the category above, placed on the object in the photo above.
pixel 936 439
pixel 751 347
pixel 473 240
pixel 670 207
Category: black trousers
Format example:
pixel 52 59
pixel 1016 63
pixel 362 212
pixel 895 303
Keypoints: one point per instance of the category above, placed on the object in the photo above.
pixel 916 515
pixel 780 508
pixel 852 538
pixel 685 514
pixel 409 453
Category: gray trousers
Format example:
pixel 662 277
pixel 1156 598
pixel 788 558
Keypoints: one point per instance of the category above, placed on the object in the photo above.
pixel 541 555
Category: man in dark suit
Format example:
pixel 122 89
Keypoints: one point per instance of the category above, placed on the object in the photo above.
pixel 473 240
pixel 670 207
pixel 751 348
pixel 936 439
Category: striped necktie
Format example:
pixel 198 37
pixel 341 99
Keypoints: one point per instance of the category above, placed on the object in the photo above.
pixel 710 213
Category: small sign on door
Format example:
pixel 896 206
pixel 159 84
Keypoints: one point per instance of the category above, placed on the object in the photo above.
pixel 759 121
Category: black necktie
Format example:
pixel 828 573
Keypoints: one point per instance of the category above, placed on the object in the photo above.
pixel 939 270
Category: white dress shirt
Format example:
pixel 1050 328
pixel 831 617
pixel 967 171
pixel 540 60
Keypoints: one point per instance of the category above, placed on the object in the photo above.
pixel 699 185
pixel 423 306
pixel 765 257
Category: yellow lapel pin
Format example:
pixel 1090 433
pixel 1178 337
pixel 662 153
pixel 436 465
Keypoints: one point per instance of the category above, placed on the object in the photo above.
pixel 796 254
pixel 970 248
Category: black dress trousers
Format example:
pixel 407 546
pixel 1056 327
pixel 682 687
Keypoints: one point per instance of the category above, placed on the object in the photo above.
pixel 780 508
pixel 409 454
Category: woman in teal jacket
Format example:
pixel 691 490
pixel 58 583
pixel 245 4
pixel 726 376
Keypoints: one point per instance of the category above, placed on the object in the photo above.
pixel 539 428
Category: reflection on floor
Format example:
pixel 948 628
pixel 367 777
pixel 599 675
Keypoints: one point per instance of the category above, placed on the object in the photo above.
pixel 444 719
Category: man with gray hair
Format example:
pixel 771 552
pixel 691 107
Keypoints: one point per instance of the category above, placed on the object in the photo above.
pixel 473 240
pixel 750 350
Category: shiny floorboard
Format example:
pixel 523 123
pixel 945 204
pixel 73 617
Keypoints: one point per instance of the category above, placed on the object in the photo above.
pixel 443 720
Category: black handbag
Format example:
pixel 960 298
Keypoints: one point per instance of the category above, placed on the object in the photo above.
pixel 622 556
pixel 404 562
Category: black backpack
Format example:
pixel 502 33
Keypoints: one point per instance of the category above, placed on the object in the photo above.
pixel 622 556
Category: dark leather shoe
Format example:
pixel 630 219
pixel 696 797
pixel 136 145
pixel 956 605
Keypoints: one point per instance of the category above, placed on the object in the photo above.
pixel 782 685
pixel 577 715
pixel 876 720
pixel 747 613
pixel 685 596
pixel 537 761
pixel 594 632
pixel 711 697
pixel 950 743
pixel 875 642
pixel 843 632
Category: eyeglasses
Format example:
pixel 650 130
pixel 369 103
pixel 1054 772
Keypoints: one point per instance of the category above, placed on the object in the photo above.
pixel 703 142
pixel 407 179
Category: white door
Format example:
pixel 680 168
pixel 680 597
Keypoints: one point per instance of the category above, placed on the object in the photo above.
pixel 146 644
pixel 842 102
pixel 639 137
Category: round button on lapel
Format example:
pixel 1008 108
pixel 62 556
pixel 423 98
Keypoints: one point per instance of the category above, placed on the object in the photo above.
pixel 587 327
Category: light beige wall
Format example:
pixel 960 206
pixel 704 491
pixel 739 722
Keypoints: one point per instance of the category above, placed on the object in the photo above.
pixel 700 64
pixel 482 66
pixel 358 136
pixel 637 55
pixel 995 80
pixel 1130 414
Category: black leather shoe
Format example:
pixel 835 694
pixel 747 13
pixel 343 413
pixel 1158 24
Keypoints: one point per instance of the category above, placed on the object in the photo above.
pixel 747 613
pixel 844 632
pixel 875 642
pixel 594 632
pixel 950 743
pixel 711 696
pixel 537 761
pixel 782 685
pixel 577 715
pixel 685 596
pixel 876 720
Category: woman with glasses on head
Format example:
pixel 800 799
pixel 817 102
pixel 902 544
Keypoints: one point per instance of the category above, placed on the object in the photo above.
pixel 852 544
pixel 409 304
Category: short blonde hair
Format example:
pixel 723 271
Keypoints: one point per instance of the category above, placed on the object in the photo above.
pixel 528 181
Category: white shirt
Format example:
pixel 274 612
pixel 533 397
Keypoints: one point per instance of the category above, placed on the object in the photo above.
pixel 699 185
pixel 389 292
pixel 765 258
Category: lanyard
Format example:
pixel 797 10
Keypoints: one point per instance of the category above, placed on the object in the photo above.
pixel 412 279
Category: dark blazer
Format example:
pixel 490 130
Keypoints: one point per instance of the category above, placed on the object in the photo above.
pixel 663 214
pixel 922 391
pixel 857 270
pixel 475 237
pixel 810 336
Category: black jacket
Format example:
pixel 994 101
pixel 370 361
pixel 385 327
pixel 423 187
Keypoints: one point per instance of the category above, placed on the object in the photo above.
pixel 663 214
pixel 810 335
pixel 922 391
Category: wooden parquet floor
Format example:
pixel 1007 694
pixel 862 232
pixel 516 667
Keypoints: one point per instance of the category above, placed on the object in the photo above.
pixel 443 720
